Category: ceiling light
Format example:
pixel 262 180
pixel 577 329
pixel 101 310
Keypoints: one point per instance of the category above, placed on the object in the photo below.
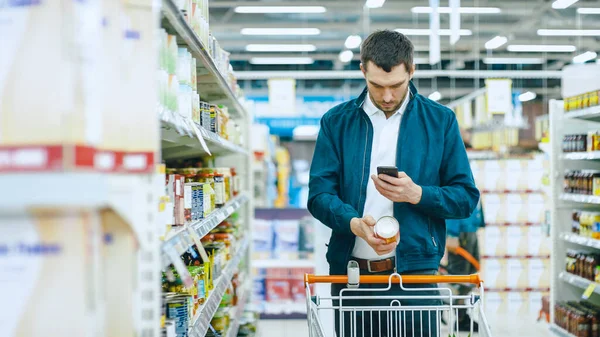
pixel 568 32
pixel 282 60
pixel 280 31
pixel 280 9
pixel 461 10
pixel 353 41
pixel 496 42
pixel 374 3
pixel 562 4
pixel 541 48
pixel 588 10
pixel 425 32
pixel 527 96
pixel 583 58
pixel 346 56
pixel 513 60
pixel 435 96
pixel 281 47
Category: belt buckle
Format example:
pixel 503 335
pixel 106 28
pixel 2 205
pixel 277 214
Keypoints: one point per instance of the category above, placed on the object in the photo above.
pixel 369 265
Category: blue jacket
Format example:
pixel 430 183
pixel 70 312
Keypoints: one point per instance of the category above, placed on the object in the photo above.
pixel 430 150
pixel 455 227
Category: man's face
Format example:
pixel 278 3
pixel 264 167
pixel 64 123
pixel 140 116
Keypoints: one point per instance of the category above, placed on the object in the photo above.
pixel 387 90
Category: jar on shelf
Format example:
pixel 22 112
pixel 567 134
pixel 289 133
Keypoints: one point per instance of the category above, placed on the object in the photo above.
pixel 219 189
pixel 235 182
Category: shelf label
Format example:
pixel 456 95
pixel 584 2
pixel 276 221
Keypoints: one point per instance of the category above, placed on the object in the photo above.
pixel 199 136
pixel 198 243
pixel 182 270
pixel 589 291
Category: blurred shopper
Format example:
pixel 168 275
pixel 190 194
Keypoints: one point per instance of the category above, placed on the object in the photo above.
pixel 389 124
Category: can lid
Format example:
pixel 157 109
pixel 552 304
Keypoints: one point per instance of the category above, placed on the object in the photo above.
pixel 387 227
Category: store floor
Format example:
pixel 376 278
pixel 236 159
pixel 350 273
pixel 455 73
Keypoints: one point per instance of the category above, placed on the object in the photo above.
pixel 509 325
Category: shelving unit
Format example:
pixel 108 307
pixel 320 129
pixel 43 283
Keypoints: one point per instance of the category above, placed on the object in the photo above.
pixel 560 331
pixel 182 139
pixel 211 83
pixel 566 286
pixel 272 263
pixel 580 240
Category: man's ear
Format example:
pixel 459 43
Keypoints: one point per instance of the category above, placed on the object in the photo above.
pixel 362 68
pixel 412 71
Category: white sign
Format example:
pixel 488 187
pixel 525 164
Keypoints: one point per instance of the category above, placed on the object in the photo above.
pixel 282 97
pixel 499 96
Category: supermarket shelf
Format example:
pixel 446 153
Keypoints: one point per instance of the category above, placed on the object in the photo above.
pixel 590 114
pixel 511 191
pixel 594 155
pixel 181 142
pixel 205 315
pixel 283 263
pixel 212 85
pixel 498 127
pixel 180 239
pixel 577 281
pixel 580 240
pixel 526 257
pixel 560 331
pixel 513 224
pixel 517 290
pixel 583 198
pixel 234 327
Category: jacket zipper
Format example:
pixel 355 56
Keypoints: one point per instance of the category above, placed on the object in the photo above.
pixel 429 227
pixel 362 179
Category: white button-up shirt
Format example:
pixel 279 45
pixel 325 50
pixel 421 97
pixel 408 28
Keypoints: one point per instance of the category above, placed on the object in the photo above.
pixel 383 153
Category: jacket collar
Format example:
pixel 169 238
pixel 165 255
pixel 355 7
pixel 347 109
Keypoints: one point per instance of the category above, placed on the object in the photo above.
pixel 358 102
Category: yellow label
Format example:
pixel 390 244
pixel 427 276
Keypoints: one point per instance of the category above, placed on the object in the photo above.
pixel 589 291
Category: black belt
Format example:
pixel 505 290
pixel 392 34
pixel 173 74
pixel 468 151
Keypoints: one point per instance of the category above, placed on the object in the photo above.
pixel 376 266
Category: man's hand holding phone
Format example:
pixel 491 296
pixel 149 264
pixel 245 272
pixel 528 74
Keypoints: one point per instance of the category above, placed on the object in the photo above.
pixel 396 186
pixel 363 228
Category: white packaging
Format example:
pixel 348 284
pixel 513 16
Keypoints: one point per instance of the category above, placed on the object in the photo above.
pixel 493 272
pixel 516 240
pixel 185 101
pixel 496 303
pixel 518 303
pixel 184 63
pixel 517 273
pixel 494 208
pixel 494 241
pixel 539 273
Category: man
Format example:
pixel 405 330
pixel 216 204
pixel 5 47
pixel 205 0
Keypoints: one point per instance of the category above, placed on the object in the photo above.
pixel 389 124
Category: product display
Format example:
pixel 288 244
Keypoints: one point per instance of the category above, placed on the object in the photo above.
pixel 280 291
pixel 589 99
pixel 582 319
pixel 582 182
pixel 586 224
pixel 583 264
pixel 581 143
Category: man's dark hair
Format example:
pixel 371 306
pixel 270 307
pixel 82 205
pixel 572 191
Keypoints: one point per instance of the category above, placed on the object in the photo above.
pixel 387 49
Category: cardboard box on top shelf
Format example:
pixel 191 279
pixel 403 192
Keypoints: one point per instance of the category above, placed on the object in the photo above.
pixel 539 273
pixel 140 60
pixel 50 106
pixel 119 259
pixel 494 241
pixel 49 261
pixel 493 272
pixel 517 273
pixel 517 240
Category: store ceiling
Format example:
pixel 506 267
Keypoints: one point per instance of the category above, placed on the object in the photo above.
pixel 519 21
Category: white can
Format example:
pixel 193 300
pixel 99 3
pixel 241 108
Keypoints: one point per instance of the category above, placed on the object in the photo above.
pixel 387 228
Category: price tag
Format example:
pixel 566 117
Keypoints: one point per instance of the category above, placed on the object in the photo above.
pixel 182 270
pixel 589 291
pixel 198 243
pixel 230 210
pixel 199 136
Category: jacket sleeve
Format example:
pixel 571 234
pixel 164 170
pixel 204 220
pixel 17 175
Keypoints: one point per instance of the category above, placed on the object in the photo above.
pixel 457 196
pixel 323 196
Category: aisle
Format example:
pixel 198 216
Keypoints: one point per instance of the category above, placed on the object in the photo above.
pixel 509 325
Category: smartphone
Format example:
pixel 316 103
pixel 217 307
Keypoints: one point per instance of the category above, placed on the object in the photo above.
pixel 391 171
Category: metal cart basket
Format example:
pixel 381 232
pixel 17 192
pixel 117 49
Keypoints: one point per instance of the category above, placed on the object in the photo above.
pixel 359 312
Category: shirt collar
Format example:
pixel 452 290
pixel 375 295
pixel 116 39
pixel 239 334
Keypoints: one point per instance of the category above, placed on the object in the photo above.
pixel 370 108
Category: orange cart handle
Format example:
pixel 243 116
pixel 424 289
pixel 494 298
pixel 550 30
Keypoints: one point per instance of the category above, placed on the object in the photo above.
pixel 385 279
pixel 460 251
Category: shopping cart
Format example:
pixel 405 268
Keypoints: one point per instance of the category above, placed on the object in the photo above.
pixel 356 316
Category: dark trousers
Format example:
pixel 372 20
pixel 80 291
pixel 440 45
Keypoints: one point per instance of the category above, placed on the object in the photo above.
pixel 387 323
